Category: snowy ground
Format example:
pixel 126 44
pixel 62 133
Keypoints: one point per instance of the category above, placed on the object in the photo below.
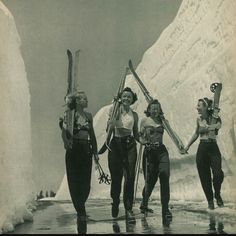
pixel 188 217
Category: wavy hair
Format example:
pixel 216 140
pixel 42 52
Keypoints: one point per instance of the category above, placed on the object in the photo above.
pixel 134 95
pixel 155 101
pixel 208 104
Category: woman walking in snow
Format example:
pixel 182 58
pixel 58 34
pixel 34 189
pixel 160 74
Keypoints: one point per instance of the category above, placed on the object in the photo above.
pixel 79 152
pixel 155 159
pixel 122 155
pixel 208 156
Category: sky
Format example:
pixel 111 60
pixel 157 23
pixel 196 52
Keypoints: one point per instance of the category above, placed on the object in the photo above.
pixel 108 33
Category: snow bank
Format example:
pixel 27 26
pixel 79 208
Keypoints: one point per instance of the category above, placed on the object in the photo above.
pixel 15 131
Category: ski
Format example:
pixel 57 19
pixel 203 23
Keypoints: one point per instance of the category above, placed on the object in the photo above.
pixel 67 130
pixel 116 105
pixel 216 89
pixel 174 137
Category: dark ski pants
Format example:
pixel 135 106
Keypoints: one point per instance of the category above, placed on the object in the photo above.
pixel 156 164
pixel 209 158
pixel 121 162
pixel 78 168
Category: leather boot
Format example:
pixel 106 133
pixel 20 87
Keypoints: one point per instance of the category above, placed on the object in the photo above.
pixel 130 216
pixel 81 224
pixel 219 200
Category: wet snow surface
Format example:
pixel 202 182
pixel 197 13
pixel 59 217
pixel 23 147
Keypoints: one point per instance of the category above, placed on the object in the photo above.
pixel 188 217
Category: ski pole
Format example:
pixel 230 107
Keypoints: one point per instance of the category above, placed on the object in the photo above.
pixel 137 171
pixel 146 181
pixel 103 178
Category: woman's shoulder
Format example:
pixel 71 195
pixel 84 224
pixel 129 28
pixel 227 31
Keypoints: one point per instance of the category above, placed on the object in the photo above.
pixel 145 120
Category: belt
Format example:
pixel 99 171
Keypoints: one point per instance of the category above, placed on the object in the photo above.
pixel 124 138
pixel 153 145
pixel 208 140
pixel 81 141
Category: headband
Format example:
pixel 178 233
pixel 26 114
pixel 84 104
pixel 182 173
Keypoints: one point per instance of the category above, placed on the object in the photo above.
pixel 205 101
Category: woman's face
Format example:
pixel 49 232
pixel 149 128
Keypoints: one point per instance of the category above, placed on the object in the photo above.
pixel 82 101
pixel 201 108
pixel 155 110
pixel 127 98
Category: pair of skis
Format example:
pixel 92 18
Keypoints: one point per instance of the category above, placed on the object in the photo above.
pixel 175 138
pixel 114 114
pixel 67 129
pixel 216 89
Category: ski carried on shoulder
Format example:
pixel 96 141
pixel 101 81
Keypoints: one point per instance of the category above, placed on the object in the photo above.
pixel 68 124
pixel 216 89
pixel 114 114
pixel 174 137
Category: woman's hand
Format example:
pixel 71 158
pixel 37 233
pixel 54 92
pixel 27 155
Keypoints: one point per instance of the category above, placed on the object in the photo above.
pixel 111 123
pixel 184 150
pixel 96 160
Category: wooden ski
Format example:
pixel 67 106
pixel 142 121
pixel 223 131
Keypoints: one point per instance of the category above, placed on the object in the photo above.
pixel 174 137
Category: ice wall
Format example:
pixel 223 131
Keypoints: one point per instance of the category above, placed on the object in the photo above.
pixel 16 184
pixel 196 49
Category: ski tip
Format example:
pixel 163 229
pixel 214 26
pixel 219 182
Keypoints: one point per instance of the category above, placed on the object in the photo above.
pixel 130 64
pixel 68 51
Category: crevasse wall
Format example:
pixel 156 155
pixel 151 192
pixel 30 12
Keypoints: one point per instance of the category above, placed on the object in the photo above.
pixel 15 130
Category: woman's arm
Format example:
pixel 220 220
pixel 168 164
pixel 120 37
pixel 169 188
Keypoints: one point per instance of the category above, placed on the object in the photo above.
pixel 135 128
pixel 214 126
pixel 211 127
pixel 92 133
pixel 194 137
pixel 142 138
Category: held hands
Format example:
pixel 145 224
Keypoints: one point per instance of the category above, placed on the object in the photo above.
pixel 184 150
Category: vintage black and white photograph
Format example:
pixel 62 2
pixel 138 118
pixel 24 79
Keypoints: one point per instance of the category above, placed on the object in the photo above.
pixel 118 117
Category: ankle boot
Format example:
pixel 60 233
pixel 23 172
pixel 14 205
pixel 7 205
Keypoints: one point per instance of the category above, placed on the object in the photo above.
pixel 114 210
pixel 219 200
pixel 211 205
pixel 130 216
pixel 81 224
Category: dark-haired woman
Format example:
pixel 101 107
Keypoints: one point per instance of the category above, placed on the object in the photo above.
pixel 208 156
pixel 122 155
pixel 79 153
pixel 155 159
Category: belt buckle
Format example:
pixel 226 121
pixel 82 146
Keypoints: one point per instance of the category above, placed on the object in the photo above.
pixel 156 144
pixel 153 145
